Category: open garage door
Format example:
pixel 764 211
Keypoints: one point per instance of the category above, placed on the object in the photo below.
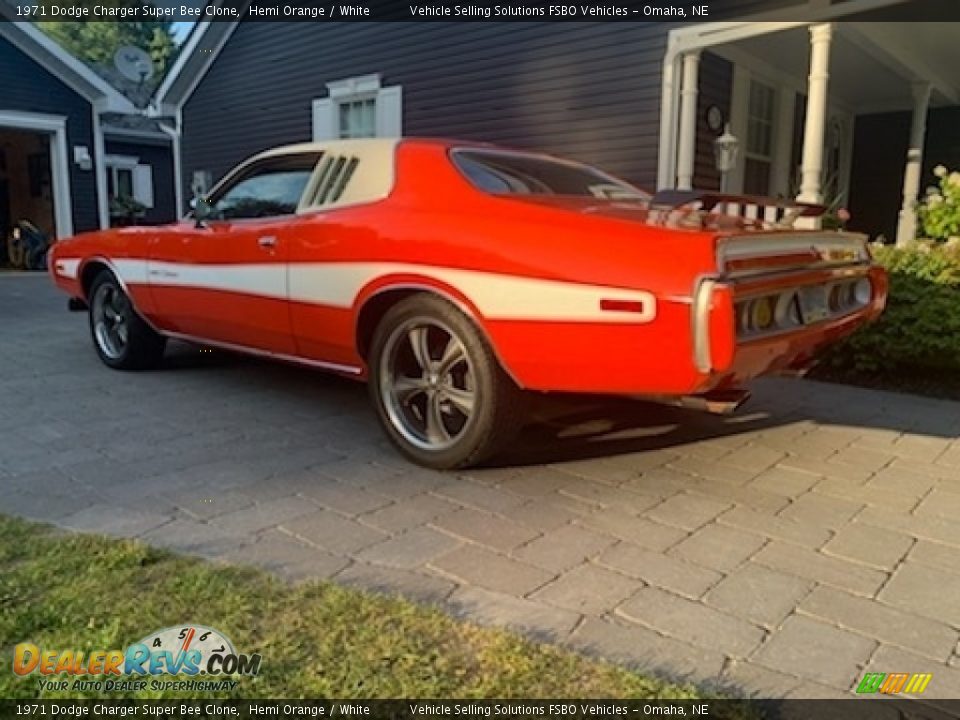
pixel 34 174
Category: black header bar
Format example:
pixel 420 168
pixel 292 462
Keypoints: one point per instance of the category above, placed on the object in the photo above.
pixel 674 11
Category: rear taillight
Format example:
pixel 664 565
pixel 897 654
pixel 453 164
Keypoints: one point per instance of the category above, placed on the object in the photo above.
pixel 784 310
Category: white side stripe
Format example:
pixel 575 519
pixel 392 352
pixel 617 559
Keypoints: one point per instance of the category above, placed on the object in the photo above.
pixel 497 296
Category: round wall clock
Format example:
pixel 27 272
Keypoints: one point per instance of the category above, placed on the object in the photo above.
pixel 715 118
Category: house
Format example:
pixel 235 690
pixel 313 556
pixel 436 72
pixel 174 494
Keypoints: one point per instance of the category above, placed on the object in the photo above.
pixel 832 101
pixel 70 142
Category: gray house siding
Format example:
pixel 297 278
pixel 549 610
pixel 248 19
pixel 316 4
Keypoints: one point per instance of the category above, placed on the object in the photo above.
pixel 160 158
pixel 716 87
pixel 28 87
pixel 582 90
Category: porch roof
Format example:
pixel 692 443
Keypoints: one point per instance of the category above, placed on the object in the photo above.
pixel 873 64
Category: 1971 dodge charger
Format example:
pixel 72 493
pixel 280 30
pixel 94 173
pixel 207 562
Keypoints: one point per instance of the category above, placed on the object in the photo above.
pixel 453 276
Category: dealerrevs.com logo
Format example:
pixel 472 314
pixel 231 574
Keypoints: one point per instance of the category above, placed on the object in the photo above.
pixel 185 650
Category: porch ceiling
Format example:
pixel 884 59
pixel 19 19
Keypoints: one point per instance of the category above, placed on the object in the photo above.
pixel 872 64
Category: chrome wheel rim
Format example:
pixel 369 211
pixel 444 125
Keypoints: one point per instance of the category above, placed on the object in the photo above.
pixel 111 320
pixel 427 384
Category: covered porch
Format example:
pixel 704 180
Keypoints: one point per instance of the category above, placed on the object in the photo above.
pixel 794 95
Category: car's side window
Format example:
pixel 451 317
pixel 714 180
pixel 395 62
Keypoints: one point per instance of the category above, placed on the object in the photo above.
pixel 267 188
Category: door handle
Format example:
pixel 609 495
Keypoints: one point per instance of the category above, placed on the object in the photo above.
pixel 267 242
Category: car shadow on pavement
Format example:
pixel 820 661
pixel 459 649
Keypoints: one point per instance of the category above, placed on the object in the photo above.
pixel 566 428
pixel 569 428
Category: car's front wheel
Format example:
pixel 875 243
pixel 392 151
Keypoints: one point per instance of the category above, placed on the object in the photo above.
pixel 124 341
pixel 439 391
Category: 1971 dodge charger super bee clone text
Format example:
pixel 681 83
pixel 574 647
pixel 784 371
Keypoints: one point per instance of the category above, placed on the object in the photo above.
pixel 452 276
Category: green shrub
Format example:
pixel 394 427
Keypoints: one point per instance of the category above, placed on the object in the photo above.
pixel 920 329
pixel 939 213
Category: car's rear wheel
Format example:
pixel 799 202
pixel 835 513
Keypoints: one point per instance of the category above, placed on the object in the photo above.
pixel 439 391
pixel 123 340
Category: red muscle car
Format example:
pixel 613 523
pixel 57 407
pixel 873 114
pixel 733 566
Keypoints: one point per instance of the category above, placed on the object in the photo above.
pixel 452 276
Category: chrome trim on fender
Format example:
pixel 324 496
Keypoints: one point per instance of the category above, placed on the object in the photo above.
pixel 701 325
pixel 320 364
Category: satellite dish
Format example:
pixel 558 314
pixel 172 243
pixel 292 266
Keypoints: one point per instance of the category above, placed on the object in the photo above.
pixel 133 63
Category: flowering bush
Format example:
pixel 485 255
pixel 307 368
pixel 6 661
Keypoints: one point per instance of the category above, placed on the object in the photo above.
pixel 939 213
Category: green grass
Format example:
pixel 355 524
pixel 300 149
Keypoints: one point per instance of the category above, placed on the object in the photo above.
pixel 64 591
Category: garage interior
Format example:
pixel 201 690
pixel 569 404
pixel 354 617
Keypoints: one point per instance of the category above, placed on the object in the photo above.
pixel 26 190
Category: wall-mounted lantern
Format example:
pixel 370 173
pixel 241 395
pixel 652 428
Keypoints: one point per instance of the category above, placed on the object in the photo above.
pixel 725 150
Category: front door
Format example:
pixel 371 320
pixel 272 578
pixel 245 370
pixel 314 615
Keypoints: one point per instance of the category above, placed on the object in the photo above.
pixel 226 279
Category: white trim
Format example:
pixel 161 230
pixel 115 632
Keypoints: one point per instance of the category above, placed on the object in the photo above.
pixel 783 130
pixel 183 57
pixel 669 102
pixel 702 36
pixel 141 177
pixel 158 138
pixel 352 87
pixel 815 122
pixel 387 107
pixel 339 285
pixel 174 134
pixel 186 54
pixel 56 127
pixel 100 172
pixel 907 219
pixel 125 162
pixel 687 144
pixel 747 65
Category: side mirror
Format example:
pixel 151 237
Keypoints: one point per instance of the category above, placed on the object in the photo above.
pixel 201 210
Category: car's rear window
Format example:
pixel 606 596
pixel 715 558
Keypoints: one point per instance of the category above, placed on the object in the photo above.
pixel 504 173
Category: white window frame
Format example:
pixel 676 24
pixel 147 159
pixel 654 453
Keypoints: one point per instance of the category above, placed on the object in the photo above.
pixel 776 129
pixel 787 87
pixel 141 176
pixel 388 106
pixel 744 73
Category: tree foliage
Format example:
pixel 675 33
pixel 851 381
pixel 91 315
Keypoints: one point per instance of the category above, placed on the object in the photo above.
pixel 96 42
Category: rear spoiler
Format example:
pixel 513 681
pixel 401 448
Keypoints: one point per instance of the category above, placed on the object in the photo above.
pixel 706 201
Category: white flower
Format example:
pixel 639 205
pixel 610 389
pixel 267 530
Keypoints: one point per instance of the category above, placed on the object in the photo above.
pixel 939 171
pixel 934 198
pixel 954 178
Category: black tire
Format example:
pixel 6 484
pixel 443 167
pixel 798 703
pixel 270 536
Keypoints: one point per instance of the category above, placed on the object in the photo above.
pixel 496 405
pixel 112 318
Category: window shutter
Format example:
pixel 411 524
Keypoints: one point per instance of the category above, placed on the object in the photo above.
pixel 143 184
pixel 390 112
pixel 323 117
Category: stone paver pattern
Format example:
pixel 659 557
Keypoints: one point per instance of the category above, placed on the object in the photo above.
pixel 782 551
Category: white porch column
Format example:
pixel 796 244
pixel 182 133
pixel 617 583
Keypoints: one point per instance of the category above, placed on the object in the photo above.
pixel 811 169
pixel 907 225
pixel 687 149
